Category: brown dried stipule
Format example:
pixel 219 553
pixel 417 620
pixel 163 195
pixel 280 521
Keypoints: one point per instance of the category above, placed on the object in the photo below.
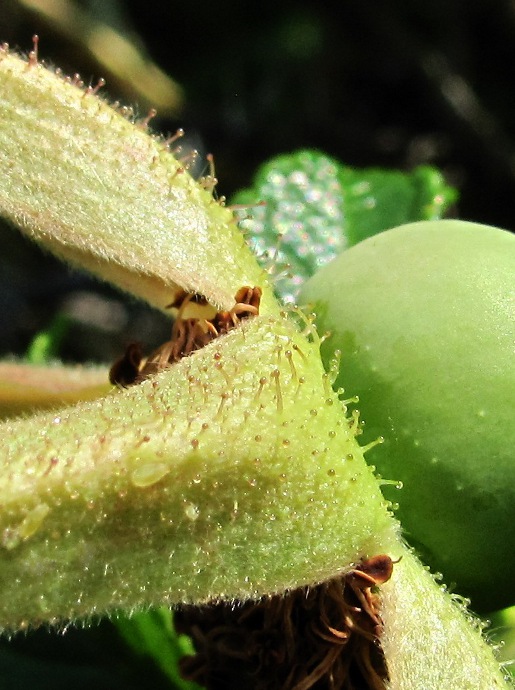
pixel 326 637
pixel 188 335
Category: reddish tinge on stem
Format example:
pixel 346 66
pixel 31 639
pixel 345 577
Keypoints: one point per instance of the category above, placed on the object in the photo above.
pixel 188 335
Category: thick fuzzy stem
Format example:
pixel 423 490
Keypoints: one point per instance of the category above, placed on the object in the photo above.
pixel 230 476
pixel 234 474
pixel 101 193
pixel 423 621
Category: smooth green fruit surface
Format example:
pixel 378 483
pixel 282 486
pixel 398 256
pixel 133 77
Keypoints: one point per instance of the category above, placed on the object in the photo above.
pixel 425 318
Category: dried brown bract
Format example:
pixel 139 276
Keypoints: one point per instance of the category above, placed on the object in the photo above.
pixel 326 637
pixel 188 335
pixel 125 370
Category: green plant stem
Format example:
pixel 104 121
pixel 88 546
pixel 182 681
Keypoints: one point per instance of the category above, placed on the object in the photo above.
pixel 25 388
pixel 98 191
pixel 233 474
pixel 423 621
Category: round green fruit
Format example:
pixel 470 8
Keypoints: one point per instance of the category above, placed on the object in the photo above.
pixel 424 316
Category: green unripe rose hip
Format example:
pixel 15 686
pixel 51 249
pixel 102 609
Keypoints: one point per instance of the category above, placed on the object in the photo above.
pixel 425 318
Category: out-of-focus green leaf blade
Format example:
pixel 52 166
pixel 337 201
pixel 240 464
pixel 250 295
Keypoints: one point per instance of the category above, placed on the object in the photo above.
pixel 377 200
pixel 151 633
pixel 502 633
pixel 45 344
pixel 315 207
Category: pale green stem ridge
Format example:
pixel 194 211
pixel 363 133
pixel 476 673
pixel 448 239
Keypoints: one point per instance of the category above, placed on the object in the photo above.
pixel 25 388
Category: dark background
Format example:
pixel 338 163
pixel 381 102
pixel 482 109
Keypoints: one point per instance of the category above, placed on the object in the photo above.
pixel 371 82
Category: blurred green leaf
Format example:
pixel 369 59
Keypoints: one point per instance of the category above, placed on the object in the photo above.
pixel 45 345
pixel 151 633
pixel 502 633
pixel 314 207
pixel 377 200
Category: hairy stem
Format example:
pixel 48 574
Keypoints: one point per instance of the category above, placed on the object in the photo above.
pixel 423 621
pixel 79 177
pixel 235 473
pixel 231 475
